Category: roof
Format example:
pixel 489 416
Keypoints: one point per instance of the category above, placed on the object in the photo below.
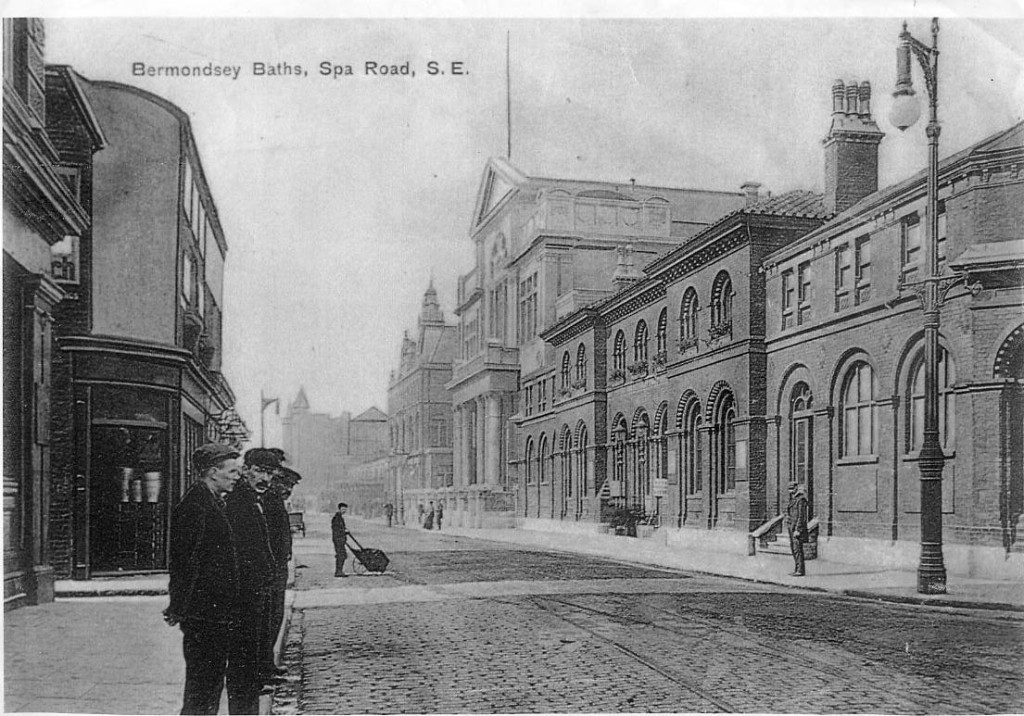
pixel 371 415
pixel 803 204
pixel 996 254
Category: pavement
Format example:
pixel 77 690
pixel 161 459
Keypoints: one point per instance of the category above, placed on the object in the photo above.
pixel 102 646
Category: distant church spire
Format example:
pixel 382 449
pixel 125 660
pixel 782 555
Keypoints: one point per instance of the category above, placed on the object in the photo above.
pixel 431 312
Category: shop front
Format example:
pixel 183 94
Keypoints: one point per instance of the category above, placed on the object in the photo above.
pixel 139 412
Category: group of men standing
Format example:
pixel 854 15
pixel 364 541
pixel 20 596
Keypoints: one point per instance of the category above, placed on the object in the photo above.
pixel 230 546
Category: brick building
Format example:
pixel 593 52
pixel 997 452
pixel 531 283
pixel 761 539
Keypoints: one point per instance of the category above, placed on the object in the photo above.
pixel 543 248
pixel 845 377
pixel 138 374
pixel 420 410
pixel 50 134
pixel 775 345
pixel 325 449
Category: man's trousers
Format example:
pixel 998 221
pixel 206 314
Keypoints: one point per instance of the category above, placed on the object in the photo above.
pixel 206 646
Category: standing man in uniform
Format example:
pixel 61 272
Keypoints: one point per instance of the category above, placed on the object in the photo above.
pixel 204 576
pixel 257 569
pixel 796 514
pixel 339 535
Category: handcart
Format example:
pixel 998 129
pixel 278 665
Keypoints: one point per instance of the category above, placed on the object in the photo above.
pixel 371 560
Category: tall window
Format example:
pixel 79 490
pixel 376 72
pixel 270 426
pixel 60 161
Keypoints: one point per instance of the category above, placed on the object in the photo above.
pixel 863 270
pixel 844 276
pixel 528 399
pixel 582 447
pixel 188 280
pixel 688 319
pixel 542 466
pixel 543 402
pixel 947 414
pixel 858 411
pixel 692 453
pixel 619 353
pixel 721 304
pixel 788 299
pixel 640 339
pixel 531 475
pixel 565 371
pixel 942 235
pixel 528 308
pixel 910 245
pixel 803 280
pixel 727 444
pixel 801 432
pixel 581 365
pixel 662 338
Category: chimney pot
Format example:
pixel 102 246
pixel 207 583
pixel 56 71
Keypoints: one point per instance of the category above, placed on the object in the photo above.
pixel 851 98
pixel 838 92
pixel 865 99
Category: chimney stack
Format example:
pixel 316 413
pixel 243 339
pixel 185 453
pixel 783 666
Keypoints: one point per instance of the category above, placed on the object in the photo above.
pixel 626 273
pixel 851 147
pixel 751 189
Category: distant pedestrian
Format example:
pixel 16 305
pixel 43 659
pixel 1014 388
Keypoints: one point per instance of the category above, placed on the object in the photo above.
pixel 389 512
pixel 422 514
pixel 428 523
pixel 257 569
pixel 203 584
pixel 439 514
pixel 796 521
pixel 339 535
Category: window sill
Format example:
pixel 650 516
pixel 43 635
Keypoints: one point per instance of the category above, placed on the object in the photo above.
pixel 858 460
pixel 916 455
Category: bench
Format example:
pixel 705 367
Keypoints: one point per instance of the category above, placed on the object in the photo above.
pixel 297 523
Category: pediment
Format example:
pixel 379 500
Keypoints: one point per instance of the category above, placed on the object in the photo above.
pixel 500 181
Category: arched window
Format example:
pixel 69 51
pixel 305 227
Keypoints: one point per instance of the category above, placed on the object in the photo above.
pixel 858 410
pixel 725 460
pixel 692 452
pixel 721 304
pixel 565 447
pixel 620 435
pixel 582 476
pixel 581 365
pixel 688 319
pixel 662 332
pixel 619 353
pixel 801 425
pixel 947 414
pixel 642 440
pixel 542 467
pixel 531 475
pixel 640 339
pixel 565 371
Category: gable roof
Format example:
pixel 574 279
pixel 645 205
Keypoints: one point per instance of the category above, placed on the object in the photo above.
pixel 371 415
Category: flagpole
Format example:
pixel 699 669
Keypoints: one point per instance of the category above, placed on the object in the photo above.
pixel 508 94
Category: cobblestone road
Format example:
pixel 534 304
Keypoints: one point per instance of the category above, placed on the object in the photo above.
pixel 460 625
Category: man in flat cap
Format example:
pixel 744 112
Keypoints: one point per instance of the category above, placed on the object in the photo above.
pixel 796 520
pixel 257 569
pixel 204 576
pixel 339 536
pixel 279 530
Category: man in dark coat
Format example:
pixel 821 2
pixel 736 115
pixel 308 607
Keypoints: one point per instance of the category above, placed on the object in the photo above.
pixel 797 516
pixel 204 577
pixel 257 569
pixel 439 514
pixel 279 531
pixel 339 535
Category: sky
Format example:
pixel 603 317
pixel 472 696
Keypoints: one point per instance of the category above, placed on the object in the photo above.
pixel 343 197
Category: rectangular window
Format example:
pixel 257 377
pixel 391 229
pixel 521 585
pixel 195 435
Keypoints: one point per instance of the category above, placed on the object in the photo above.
pixel 804 292
pixel 528 399
pixel 942 236
pixel 186 280
pixel 863 260
pixel 528 308
pixel 844 277
pixel 543 396
pixel 788 299
pixel 911 245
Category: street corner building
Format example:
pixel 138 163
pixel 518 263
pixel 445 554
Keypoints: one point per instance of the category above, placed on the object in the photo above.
pixel 662 362
pixel 113 266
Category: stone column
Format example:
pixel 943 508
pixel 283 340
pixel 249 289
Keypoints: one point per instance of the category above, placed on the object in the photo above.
pixel 493 439
pixel 457 476
pixel 482 447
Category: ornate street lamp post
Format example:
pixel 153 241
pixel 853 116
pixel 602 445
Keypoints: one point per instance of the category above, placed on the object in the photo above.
pixel 931 290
